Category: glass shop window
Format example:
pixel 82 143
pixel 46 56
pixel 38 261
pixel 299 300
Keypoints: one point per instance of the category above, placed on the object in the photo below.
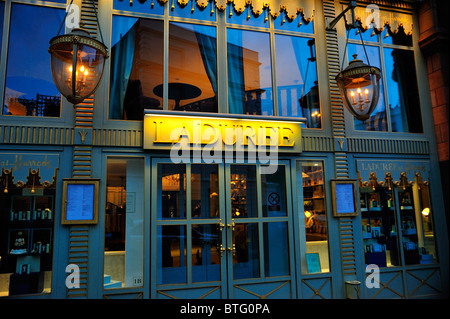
pixel 26 235
pixel 297 84
pixel 29 87
pixel 124 223
pixel 136 67
pixel 313 217
pixel 416 224
pixel 192 68
pixel 379 226
pixel 397 224
pixel 398 108
pixel 249 73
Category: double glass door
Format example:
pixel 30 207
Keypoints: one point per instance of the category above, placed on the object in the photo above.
pixel 220 230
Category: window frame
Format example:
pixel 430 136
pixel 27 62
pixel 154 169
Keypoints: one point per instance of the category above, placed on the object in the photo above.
pixel 66 112
pixel 105 17
pixel 421 79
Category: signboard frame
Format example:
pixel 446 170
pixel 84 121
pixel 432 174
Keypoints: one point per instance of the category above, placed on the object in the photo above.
pixel 87 203
pixel 345 201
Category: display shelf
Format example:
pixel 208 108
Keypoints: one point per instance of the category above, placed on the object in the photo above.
pixel 379 228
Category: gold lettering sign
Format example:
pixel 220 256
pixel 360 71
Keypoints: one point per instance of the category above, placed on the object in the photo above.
pixel 164 131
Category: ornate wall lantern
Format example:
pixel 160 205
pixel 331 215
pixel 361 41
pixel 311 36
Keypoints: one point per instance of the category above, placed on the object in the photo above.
pixel 359 83
pixel 77 62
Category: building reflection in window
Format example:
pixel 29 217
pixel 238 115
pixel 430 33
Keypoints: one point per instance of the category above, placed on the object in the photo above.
pixel 192 68
pixel 136 67
pixel 297 85
pixel 249 73
pixel 29 89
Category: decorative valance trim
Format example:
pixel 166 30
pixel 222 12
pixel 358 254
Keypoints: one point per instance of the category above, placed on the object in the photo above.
pixel 288 9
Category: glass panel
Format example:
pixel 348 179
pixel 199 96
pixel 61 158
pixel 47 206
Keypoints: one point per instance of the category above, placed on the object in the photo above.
pixel 298 90
pixel 404 102
pixel 379 226
pixel 124 223
pixel 192 68
pixel 136 67
pixel 249 73
pixel 426 234
pixel 205 191
pixel 204 254
pixel 399 37
pixel 26 240
pixel 378 120
pixel 246 258
pixel 314 244
pixel 276 249
pixel 408 217
pixel 296 25
pixel 247 18
pixel 139 6
pixel 172 258
pixel 192 11
pixel 2 14
pixel 29 89
pixel 172 183
pixel 243 191
pixel 368 36
pixel 273 192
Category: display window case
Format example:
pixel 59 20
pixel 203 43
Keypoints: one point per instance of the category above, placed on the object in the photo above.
pixel 26 235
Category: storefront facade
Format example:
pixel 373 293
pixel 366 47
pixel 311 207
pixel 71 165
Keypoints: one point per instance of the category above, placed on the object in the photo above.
pixel 218 139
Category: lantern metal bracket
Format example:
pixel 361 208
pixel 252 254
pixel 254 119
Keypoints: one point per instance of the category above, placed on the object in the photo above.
pixel 351 6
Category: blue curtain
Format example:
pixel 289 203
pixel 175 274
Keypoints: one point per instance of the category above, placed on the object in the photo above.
pixel 122 54
pixel 236 87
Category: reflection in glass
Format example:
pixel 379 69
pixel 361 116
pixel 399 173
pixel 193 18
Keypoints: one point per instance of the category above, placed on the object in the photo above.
pixel 204 191
pixel 298 90
pixel 403 94
pixel 273 192
pixel 246 257
pixel 192 68
pixel 243 19
pixel 204 255
pixel 297 25
pixel 172 183
pixel 243 191
pixel 314 219
pixel 139 7
pixel 124 223
pixel 172 258
pixel 399 37
pixel 427 239
pixel 136 67
pixel 249 73
pixel 368 35
pixel 378 119
pixel 192 11
pixel 276 249
pixel 29 89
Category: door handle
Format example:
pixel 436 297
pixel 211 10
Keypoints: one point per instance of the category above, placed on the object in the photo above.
pixel 220 225
pixel 232 225
pixel 220 250
pixel 232 249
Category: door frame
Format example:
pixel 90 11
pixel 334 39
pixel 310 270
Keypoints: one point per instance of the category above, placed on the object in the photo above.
pixel 226 286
